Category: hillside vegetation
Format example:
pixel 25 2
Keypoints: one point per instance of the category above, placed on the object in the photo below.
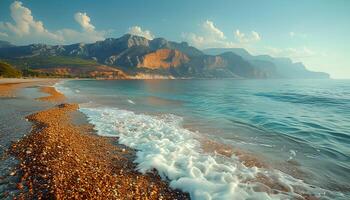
pixel 52 61
pixel 7 71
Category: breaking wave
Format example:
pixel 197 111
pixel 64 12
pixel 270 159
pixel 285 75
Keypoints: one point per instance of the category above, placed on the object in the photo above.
pixel 163 144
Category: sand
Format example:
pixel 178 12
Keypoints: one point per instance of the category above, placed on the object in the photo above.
pixel 10 87
pixel 53 96
pixel 61 160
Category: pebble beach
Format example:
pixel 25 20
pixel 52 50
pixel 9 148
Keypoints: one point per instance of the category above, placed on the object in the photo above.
pixel 62 160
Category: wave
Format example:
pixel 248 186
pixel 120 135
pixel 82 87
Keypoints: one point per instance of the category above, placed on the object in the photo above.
pixel 131 101
pixel 305 99
pixel 163 144
pixel 60 87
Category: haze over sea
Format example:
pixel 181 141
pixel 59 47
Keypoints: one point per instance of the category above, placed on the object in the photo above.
pixel 299 128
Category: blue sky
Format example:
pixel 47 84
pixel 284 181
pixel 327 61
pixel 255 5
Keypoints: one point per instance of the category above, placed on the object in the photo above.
pixel 315 32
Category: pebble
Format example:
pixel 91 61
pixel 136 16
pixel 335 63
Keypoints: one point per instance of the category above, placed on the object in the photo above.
pixel 88 159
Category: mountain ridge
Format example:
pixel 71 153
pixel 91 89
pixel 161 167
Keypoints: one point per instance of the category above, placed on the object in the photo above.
pixel 284 67
pixel 137 56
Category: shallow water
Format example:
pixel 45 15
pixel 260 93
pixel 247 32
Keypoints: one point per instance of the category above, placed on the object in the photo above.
pixel 13 126
pixel 299 127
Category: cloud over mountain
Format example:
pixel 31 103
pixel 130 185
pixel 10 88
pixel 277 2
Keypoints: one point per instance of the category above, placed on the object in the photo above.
pixel 137 30
pixel 84 21
pixel 244 38
pixel 212 30
pixel 209 36
pixel 25 28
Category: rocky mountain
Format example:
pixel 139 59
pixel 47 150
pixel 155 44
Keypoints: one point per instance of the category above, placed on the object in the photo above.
pixel 135 56
pixel 276 67
pixel 164 58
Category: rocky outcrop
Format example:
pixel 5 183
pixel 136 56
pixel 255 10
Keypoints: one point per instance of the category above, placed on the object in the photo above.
pixel 164 58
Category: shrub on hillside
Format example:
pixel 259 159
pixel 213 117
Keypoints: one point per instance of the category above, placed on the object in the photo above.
pixel 7 71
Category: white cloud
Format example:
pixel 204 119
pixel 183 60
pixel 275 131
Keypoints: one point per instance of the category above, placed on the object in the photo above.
pixel 72 36
pixel 243 38
pixel 26 29
pixel 294 53
pixel 210 28
pixel 210 36
pixel 194 39
pixel 84 21
pixel 256 36
pixel 25 26
pixel 137 30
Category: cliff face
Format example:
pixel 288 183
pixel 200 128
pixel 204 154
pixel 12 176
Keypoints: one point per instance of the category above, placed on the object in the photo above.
pixel 164 58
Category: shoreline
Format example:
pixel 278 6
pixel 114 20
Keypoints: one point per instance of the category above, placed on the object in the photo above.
pixel 59 159
pixel 10 87
pixel 104 153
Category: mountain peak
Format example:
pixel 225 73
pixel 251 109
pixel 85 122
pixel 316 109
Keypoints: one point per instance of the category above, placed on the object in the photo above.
pixel 134 40
pixel 129 36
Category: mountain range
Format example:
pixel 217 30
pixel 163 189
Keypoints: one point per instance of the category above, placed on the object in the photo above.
pixel 133 56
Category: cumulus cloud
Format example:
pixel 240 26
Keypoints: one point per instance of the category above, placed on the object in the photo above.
pixel 209 36
pixel 211 29
pixel 84 21
pixel 25 26
pixel 137 30
pixel 25 29
pixel 244 38
pixel 72 36
pixel 87 33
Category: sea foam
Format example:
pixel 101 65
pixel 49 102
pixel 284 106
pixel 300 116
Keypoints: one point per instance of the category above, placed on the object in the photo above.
pixel 163 144
pixel 59 87
pixel 131 101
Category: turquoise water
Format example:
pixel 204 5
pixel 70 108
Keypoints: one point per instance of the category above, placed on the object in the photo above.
pixel 299 127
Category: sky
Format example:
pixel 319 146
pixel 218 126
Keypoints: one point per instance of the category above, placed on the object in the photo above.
pixel 315 32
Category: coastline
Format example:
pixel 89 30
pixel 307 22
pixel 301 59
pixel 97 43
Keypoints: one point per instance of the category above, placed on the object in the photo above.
pixel 60 159
pixel 61 122
pixel 10 86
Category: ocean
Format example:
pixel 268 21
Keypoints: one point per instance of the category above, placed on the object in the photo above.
pixel 298 129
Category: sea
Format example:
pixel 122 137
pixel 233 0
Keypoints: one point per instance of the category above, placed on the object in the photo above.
pixel 296 131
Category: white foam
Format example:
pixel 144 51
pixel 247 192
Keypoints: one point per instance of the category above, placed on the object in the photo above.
pixel 130 101
pixel 292 154
pixel 163 144
pixel 59 87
